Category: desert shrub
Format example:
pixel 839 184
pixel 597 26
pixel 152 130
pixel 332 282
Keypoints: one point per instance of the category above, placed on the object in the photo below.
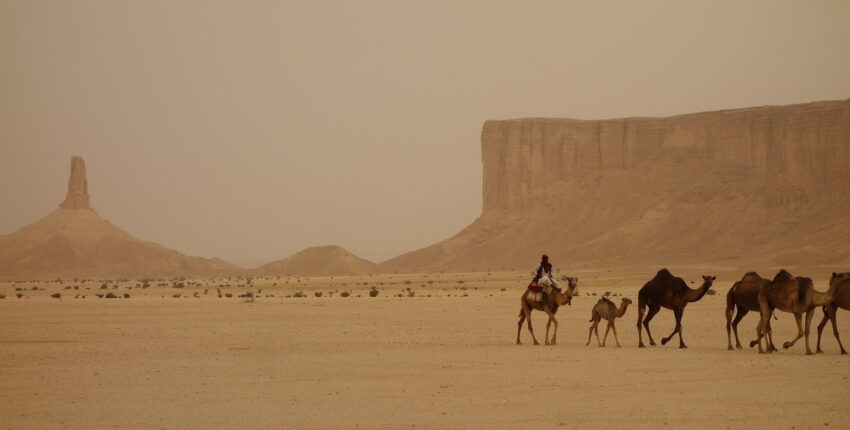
pixel 126 295
pixel 228 295
pixel 373 292
pixel 504 289
pixel 318 294
pixel 19 295
pixel 607 293
pixel 176 295
pixel 711 292
pixel 111 296
pixel 56 295
pixel 2 296
pixel 299 294
pixel 345 294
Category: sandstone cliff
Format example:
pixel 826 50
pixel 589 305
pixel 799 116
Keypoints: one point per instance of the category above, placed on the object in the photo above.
pixel 74 241
pixel 765 185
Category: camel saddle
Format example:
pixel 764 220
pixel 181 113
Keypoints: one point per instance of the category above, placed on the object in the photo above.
pixel 535 292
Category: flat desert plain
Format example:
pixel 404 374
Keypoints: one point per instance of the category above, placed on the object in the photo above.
pixel 441 356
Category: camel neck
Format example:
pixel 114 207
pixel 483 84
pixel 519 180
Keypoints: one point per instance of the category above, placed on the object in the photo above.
pixel 622 310
pixel 697 294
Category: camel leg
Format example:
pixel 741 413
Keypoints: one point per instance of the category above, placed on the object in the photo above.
pixel 809 314
pixel 555 334
pixel 799 317
pixel 758 335
pixel 519 325
pixel 833 311
pixel 590 332
pixel 770 346
pixel 678 314
pixel 548 325
pixel 820 329
pixel 607 329
pixel 531 330
pixel 649 315
pixel 641 310
pixel 729 310
pixel 738 317
pixel 596 330
pixel 614 329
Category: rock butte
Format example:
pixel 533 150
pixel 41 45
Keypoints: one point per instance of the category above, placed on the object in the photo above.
pixel 764 185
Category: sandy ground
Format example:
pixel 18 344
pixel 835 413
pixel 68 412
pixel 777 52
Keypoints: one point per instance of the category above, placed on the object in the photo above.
pixel 159 362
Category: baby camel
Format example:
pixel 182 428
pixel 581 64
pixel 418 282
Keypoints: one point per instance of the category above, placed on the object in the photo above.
pixel 605 308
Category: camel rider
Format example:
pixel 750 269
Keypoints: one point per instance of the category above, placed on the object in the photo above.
pixel 545 269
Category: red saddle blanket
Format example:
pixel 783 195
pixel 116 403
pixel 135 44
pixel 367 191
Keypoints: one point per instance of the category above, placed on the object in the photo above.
pixel 535 287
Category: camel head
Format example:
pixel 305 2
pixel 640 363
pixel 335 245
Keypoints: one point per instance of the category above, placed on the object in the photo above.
pixel 708 280
pixel 572 285
pixel 627 301
pixel 838 278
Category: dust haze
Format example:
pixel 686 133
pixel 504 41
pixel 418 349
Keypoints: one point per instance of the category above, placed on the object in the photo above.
pixel 249 132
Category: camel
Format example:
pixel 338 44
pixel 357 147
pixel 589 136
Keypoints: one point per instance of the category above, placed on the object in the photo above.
pixel 671 292
pixel 791 294
pixel 606 309
pixel 744 296
pixel 554 299
pixel 841 283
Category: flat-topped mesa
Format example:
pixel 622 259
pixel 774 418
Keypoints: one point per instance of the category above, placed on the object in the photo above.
pixel 78 189
pixel 806 145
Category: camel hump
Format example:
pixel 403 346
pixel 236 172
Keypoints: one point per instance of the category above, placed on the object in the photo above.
pixel 783 275
pixel 803 285
pixel 664 273
pixel 751 275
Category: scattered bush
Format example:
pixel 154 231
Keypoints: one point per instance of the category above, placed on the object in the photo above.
pixel 176 295
pixel 228 295
pixel 318 294
pixel 299 294
pixel 711 292
pixel 373 292
pixel 111 296
pixel 19 295
pixel 343 294
pixel 56 295
pixel 2 296
pixel 126 295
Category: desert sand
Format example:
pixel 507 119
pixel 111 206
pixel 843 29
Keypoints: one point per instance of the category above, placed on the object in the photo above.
pixel 441 356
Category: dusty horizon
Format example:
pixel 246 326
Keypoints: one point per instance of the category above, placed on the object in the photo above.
pixel 249 134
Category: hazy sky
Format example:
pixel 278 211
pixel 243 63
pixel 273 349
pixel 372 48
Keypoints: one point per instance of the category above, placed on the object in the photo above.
pixel 250 130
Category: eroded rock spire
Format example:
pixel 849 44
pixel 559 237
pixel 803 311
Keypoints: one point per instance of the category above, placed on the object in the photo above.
pixel 78 189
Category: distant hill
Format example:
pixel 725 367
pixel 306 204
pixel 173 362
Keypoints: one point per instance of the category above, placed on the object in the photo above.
pixel 74 241
pixel 329 260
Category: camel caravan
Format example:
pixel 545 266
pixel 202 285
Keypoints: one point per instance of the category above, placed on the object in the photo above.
pixel 785 292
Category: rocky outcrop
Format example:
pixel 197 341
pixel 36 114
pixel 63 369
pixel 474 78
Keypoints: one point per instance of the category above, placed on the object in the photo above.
pixel 804 146
pixel 78 187
pixel 331 260
pixel 74 241
pixel 760 185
